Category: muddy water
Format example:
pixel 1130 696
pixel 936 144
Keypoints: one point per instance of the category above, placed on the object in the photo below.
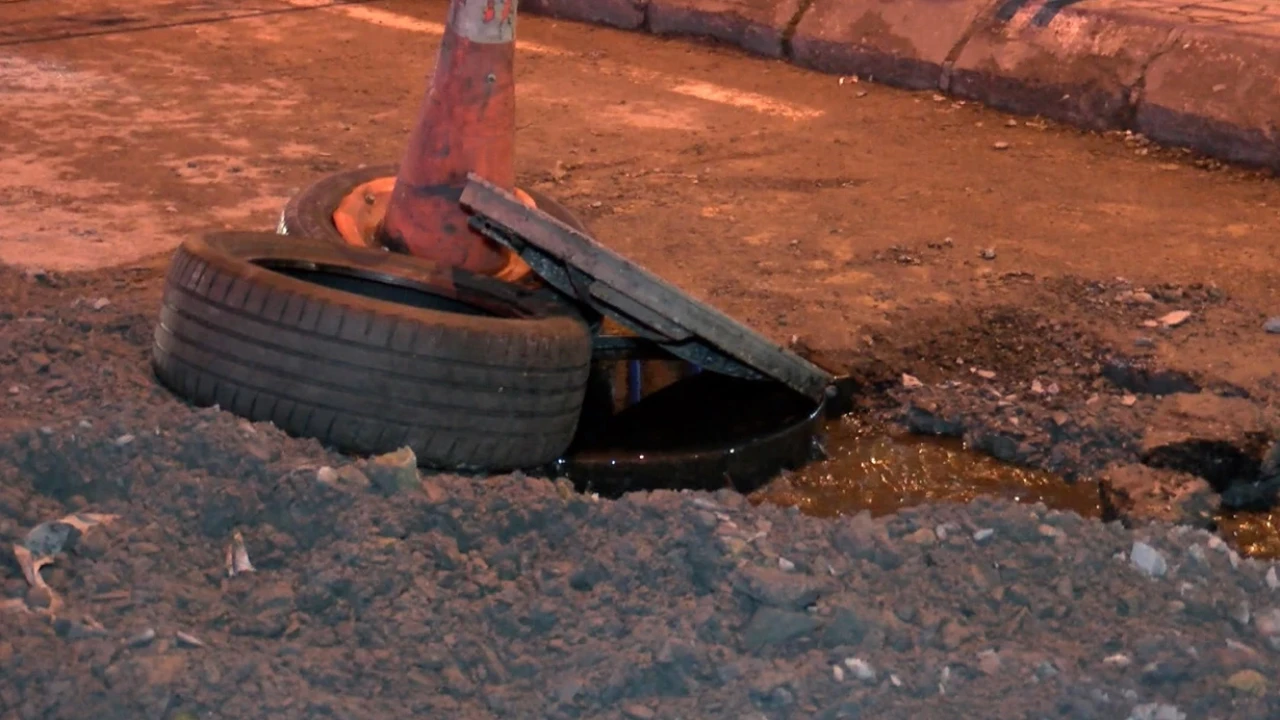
pixel 869 470
pixel 1254 534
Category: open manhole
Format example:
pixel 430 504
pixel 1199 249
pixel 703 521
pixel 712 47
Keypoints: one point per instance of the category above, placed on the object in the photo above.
pixel 663 424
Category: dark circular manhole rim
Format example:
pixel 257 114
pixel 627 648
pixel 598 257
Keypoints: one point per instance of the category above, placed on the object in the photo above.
pixel 744 464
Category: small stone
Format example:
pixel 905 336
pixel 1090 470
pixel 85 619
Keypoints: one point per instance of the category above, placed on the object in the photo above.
pixel 1049 531
pixel 1248 681
pixel 188 640
pixel 1129 400
pixel 1142 298
pixel 779 588
pixel 1153 711
pixel 861 669
pixel 1174 319
pixel 38 362
pixel 327 475
pixel 987 253
pixel 636 711
pixel 1268 623
pixel 100 303
pixel 911 382
pixel 1000 145
pixel 771 626
pixel 1147 559
pixel 983 535
pixel 923 536
pixel 1272 325
pixel 435 492
pixel 1273 581
pixel 142 639
pixel 955 634
pixel 838 673
pixel 351 476
pixel 985 374
pixel 989 662
pixel 1119 660
pixel 395 471
pixel 124 440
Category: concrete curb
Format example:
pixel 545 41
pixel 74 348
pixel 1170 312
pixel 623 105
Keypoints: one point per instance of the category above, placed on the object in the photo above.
pixel 1205 77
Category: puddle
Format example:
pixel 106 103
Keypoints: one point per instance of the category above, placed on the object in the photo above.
pixel 870 470
pixel 1252 534
pixel 867 469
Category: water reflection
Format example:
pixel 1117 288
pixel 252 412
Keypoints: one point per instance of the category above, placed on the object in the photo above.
pixel 869 470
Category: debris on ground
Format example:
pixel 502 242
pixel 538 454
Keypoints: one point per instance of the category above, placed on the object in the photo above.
pixel 395 471
pixel 237 556
pixel 1174 319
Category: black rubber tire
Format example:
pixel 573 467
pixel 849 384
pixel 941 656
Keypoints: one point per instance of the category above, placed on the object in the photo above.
pixel 495 380
pixel 310 212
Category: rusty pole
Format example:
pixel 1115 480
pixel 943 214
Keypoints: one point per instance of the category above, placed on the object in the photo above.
pixel 466 124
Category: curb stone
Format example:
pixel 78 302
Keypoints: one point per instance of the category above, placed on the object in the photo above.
pixel 1218 91
pixel 624 14
pixel 1203 76
pixel 1082 67
pixel 757 26
pixel 903 43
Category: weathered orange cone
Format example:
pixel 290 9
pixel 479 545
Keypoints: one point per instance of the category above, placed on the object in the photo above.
pixel 467 124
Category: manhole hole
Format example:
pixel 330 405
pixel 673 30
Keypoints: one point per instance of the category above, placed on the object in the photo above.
pixel 657 424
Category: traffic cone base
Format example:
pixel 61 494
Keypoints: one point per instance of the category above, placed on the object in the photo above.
pixel 361 212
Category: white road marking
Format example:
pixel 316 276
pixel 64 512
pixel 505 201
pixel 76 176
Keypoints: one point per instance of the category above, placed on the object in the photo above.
pixel 708 92
pixel 762 104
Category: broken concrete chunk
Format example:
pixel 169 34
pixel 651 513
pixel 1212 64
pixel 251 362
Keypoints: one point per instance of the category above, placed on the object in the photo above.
pixel 779 588
pixel 1205 417
pixel 1147 559
pixel 395 471
pixel 1148 493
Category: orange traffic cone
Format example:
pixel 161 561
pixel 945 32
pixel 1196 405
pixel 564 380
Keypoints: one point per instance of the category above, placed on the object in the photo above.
pixel 467 124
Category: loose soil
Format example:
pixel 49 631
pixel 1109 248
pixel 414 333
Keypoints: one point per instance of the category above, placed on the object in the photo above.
pixel 881 233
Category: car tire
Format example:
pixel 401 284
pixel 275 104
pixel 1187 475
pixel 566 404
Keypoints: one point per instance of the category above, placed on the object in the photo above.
pixel 370 351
